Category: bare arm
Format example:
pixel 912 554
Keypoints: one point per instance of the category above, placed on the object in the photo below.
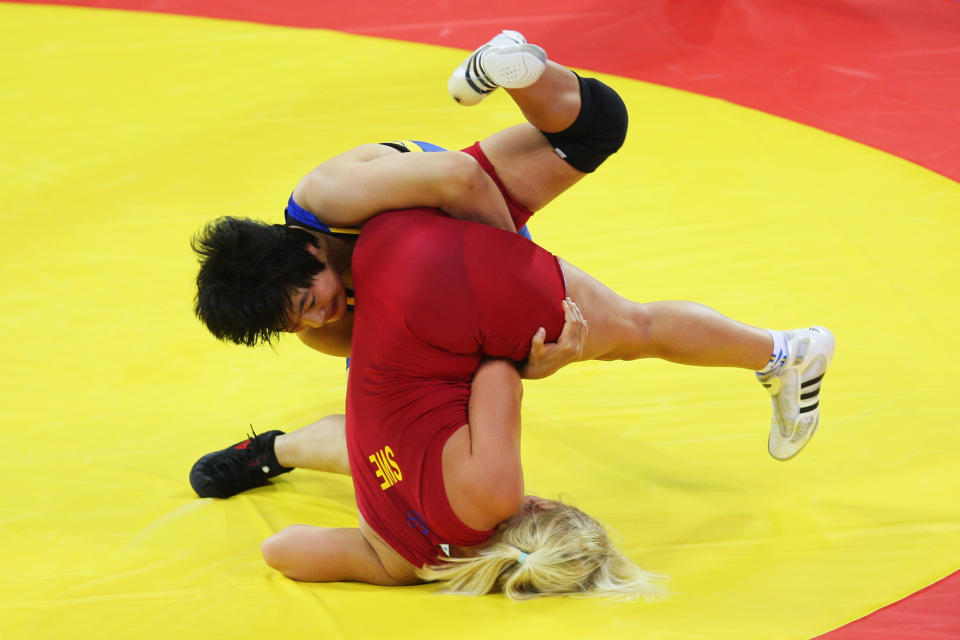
pixel 349 189
pixel 482 471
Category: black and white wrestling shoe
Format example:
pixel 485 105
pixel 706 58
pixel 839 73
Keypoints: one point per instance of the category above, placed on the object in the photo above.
pixel 794 389
pixel 506 61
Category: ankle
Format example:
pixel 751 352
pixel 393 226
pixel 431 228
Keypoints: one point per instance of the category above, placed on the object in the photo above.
pixel 778 354
pixel 283 451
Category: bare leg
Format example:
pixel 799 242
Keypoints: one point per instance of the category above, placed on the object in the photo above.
pixel 551 103
pixel 321 446
pixel 530 169
pixel 318 554
pixel 678 331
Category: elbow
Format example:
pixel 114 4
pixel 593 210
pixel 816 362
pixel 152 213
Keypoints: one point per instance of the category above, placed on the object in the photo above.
pixel 506 501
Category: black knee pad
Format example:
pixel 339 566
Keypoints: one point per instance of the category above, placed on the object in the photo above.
pixel 598 131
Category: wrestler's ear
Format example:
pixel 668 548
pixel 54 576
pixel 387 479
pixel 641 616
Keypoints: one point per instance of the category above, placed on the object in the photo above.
pixel 318 253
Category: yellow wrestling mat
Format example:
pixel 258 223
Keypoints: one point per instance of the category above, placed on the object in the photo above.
pixel 122 133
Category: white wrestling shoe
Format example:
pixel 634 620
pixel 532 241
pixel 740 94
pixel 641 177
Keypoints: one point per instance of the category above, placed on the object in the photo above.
pixel 506 61
pixel 795 390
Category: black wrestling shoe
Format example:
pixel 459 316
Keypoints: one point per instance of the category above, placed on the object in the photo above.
pixel 243 466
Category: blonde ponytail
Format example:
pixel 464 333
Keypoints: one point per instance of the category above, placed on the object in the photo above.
pixel 559 551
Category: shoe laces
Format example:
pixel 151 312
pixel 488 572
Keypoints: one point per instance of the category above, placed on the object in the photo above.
pixel 238 468
pixel 259 451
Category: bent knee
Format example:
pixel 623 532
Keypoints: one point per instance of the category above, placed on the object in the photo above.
pixel 599 130
pixel 280 550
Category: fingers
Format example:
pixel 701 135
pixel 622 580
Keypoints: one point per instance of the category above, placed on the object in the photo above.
pixel 574 334
pixel 576 312
pixel 574 322
pixel 581 320
pixel 571 311
pixel 536 344
pixel 540 336
pixel 545 359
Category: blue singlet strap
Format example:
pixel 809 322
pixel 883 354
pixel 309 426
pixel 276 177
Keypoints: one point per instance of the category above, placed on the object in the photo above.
pixel 426 146
pixel 296 215
pixel 412 145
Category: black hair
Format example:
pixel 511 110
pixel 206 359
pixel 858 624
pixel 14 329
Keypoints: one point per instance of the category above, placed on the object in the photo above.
pixel 249 270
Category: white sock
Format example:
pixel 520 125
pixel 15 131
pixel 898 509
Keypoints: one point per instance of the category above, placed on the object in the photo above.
pixel 779 356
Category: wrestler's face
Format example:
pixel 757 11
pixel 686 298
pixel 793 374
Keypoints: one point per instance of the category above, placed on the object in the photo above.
pixel 325 300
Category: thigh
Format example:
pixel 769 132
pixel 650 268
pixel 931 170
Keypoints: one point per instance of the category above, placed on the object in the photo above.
pixel 616 325
pixel 528 166
pixel 320 554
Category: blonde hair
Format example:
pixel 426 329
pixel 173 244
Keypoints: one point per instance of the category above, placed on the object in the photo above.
pixel 557 551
